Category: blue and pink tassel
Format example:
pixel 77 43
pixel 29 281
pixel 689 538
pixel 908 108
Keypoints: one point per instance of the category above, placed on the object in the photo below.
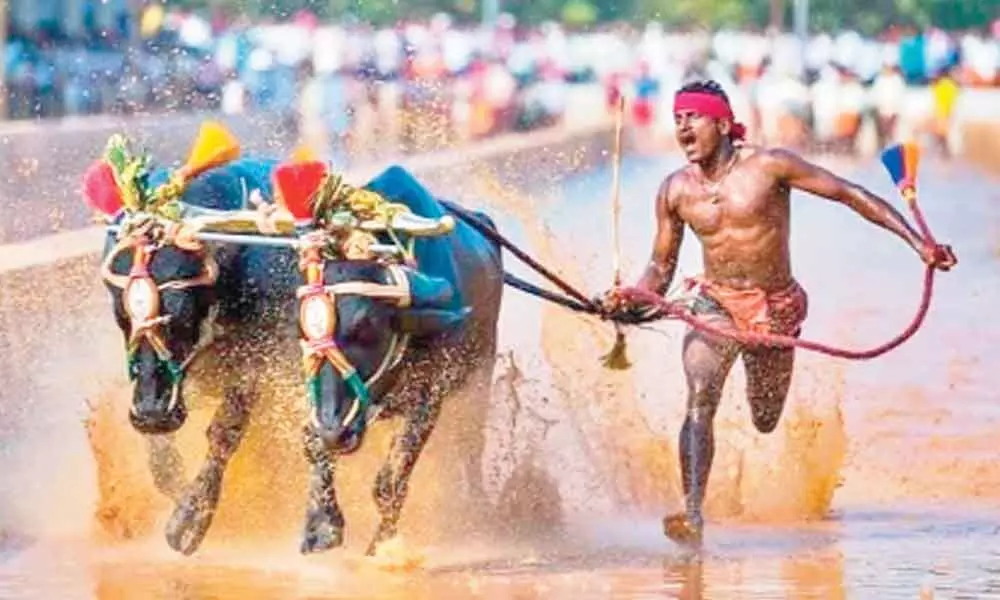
pixel 902 161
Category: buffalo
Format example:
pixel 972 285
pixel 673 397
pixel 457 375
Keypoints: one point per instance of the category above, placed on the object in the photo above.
pixel 386 338
pixel 191 312
pixel 390 334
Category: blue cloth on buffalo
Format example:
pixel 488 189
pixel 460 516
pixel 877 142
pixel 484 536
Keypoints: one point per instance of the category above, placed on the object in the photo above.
pixel 434 255
pixel 225 187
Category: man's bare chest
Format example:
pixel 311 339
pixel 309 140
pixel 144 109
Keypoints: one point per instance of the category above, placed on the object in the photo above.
pixel 739 203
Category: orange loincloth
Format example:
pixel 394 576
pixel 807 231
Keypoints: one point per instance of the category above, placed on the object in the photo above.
pixel 756 311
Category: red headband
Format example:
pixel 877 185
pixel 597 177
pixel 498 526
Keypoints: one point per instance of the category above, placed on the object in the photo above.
pixel 709 105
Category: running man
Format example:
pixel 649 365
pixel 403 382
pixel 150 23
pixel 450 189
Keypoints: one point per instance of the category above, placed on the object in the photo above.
pixel 736 200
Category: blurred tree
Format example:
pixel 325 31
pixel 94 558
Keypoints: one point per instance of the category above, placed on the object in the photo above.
pixel 377 12
pixel 533 11
pixel 869 17
pixel 579 13
pixel 616 10
pixel 717 13
pixel 872 17
pixel 950 14
pixel 466 10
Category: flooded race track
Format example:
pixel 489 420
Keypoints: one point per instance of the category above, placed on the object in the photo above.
pixel 882 480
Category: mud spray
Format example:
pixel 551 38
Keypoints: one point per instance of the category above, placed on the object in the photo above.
pixel 561 438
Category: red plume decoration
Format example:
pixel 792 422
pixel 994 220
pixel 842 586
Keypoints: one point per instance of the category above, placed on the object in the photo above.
pixel 100 189
pixel 295 185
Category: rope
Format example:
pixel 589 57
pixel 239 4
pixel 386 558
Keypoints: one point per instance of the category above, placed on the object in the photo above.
pixel 584 304
pixel 658 308
pixel 530 288
pixel 668 309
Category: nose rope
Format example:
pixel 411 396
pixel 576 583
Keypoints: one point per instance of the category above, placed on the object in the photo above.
pixel 319 348
pixel 144 238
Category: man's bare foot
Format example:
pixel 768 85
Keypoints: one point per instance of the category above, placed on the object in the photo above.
pixel 683 530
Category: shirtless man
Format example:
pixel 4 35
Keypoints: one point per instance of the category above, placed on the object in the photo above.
pixel 735 198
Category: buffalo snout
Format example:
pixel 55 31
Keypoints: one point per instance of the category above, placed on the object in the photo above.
pixel 338 439
pixel 157 420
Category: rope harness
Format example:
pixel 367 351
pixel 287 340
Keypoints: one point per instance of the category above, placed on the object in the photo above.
pixel 654 307
pixel 318 326
pixel 141 297
pixel 344 218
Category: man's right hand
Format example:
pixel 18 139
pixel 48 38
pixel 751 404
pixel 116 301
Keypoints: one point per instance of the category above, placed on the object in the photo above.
pixel 611 301
pixel 616 305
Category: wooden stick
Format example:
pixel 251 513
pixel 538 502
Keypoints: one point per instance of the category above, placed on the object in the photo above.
pixel 616 167
pixel 617 358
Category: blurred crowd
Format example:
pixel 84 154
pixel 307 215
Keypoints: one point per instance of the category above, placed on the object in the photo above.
pixel 822 92
pixel 439 79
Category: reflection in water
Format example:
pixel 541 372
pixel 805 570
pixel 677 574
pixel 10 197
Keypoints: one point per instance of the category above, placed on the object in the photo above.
pixel 803 564
pixel 809 570
pixel 581 462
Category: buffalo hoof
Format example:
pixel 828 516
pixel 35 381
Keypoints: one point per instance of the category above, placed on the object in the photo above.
pixel 324 531
pixel 193 516
pixel 385 532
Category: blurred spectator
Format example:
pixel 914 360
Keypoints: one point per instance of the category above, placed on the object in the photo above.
pixel 945 93
pixel 888 93
pixel 435 80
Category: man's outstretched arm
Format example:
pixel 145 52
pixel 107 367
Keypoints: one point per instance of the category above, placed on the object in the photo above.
pixel 662 265
pixel 802 175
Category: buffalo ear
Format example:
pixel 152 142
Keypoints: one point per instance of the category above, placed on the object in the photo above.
pixel 428 321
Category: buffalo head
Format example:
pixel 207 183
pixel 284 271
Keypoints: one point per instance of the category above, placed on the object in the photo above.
pixel 161 282
pixel 356 313
pixel 355 323
pixel 163 299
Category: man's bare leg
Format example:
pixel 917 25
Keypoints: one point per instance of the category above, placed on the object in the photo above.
pixel 707 362
pixel 769 376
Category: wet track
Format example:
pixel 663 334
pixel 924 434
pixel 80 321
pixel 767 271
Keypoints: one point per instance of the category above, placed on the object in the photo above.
pixel 881 482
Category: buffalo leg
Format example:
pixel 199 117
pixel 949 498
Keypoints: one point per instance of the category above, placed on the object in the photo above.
pixel 393 480
pixel 193 515
pixel 165 465
pixel 324 528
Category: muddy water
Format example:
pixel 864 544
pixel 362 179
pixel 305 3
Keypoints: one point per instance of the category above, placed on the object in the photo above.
pixel 881 481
